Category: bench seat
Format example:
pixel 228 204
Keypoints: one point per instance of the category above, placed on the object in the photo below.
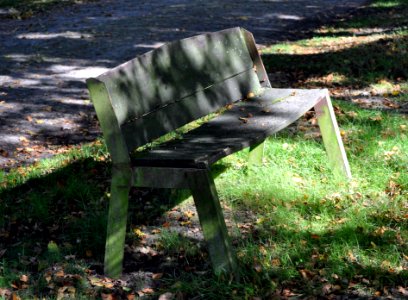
pixel 244 124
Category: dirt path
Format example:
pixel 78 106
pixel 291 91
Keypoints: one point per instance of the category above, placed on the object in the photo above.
pixel 45 59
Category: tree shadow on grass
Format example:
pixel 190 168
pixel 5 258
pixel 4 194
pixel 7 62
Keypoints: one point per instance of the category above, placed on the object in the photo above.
pixel 68 208
pixel 360 66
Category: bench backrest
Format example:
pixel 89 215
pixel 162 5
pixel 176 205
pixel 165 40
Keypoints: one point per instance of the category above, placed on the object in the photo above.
pixel 166 88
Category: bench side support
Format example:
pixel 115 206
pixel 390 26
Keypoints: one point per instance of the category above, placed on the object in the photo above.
pixel 121 177
pixel 212 221
pixel 256 154
pixel 332 138
pixel 109 123
pixel 256 151
pixel 117 218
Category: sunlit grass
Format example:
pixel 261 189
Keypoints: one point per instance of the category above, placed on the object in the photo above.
pixel 307 220
pixel 387 4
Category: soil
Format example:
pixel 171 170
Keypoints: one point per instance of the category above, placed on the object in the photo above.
pixel 45 59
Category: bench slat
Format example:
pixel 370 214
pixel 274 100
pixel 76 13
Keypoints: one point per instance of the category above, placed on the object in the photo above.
pixel 246 124
pixel 202 103
pixel 174 71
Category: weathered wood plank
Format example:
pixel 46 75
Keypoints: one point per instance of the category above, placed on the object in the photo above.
pixel 202 103
pixel 174 71
pixel 160 177
pixel 109 124
pixel 256 154
pixel 256 58
pixel 245 124
pixel 117 218
pixel 332 138
pixel 212 221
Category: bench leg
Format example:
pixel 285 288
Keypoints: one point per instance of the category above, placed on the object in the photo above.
pixel 332 138
pixel 256 153
pixel 212 221
pixel 117 218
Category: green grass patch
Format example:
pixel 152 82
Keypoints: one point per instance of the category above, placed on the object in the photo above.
pixel 387 4
pixel 358 62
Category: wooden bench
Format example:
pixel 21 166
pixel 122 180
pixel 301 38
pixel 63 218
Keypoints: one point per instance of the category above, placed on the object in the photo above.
pixel 164 89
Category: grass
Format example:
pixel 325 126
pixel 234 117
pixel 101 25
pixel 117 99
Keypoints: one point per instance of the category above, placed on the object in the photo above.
pixel 297 231
pixel 369 48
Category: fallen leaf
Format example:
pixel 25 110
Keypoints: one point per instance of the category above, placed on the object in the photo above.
pixel 166 224
pixel 108 285
pixel 390 104
pixel 23 139
pixel 130 296
pixel 167 296
pixel 14 296
pixel 139 233
pixel 95 281
pixel 351 256
pixel 59 273
pixel 352 114
pixel 105 296
pixel 5 293
pixel 376 118
pixel 250 95
pixel 148 291
pixel 276 262
pixel 403 291
pixel 258 267
pixel 157 276
pixel 189 214
pixel 307 274
pixel 244 120
pixel 4 153
pixel 315 236
pixel 326 289
pixel 329 78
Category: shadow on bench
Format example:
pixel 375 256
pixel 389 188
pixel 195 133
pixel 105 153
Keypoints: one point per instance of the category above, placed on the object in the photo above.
pixel 164 89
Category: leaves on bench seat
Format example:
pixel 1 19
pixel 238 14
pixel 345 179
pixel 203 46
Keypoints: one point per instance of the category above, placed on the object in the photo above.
pixel 243 125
